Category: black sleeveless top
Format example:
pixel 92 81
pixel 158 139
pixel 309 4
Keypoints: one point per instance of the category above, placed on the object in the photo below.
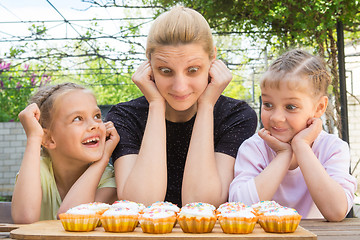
pixel 234 122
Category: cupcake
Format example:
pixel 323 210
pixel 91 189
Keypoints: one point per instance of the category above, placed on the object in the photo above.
pixel 139 207
pixel 98 207
pixel 230 206
pixel 237 219
pixel 197 218
pixel 265 206
pixel 163 205
pixel 157 220
pixel 119 220
pixel 280 220
pixel 79 219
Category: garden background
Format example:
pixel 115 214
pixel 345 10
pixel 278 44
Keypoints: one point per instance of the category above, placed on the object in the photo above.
pixel 100 43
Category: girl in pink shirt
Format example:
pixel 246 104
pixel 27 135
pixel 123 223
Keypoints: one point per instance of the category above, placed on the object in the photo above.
pixel 292 160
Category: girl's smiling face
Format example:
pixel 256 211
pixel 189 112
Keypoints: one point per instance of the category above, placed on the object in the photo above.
pixel 78 130
pixel 285 112
pixel 181 75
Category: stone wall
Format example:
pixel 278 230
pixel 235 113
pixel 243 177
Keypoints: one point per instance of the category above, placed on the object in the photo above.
pixel 12 146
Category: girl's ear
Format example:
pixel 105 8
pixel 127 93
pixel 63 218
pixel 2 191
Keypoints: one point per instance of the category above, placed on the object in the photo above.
pixel 47 141
pixel 321 106
pixel 215 52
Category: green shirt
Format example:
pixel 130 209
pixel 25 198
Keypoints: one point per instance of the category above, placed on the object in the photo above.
pixel 51 200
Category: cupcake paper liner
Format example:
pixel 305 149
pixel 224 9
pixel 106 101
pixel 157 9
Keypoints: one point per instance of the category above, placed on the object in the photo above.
pixel 276 224
pixel 119 223
pixel 237 224
pixel 161 225
pixel 79 223
pixel 196 224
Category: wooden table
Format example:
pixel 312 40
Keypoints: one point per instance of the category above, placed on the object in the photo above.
pixel 348 229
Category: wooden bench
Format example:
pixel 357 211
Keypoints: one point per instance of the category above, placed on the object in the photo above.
pixel 5 212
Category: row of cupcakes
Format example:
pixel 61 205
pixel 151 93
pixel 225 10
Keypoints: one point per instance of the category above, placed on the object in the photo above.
pixel 121 216
pixel 161 217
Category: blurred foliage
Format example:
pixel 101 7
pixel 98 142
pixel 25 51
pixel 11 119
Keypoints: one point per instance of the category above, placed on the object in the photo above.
pixel 34 66
pixel 91 64
pixel 17 83
pixel 285 24
pixel 277 24
pixel 293 22
pixel 5 198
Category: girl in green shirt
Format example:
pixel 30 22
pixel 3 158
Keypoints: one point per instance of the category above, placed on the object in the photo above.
pixel 66 156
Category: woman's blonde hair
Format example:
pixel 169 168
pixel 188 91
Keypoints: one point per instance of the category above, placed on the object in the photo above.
pixel 295 67
pixel 180 25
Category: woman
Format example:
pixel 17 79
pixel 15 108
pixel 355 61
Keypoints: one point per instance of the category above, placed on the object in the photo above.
pixel 178 143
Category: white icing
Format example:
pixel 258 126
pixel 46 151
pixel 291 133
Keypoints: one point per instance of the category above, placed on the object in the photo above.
pixel 158 213
pixel 198 209
pixel 282 211
pixel 163 205
pixel 81 211
pixel 128 204
pixel 230 206
pixel 95 205
pixel 265 206
pixel 245 212
pixel 120 212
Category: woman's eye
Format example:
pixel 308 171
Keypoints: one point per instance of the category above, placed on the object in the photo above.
pixel 193 69
pixel 290 107
pixel 165 70
pixel 97 116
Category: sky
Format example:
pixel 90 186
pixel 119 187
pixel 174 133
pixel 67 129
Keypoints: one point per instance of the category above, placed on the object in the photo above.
pixel 16 14
pixel 40 10
pixel 15 10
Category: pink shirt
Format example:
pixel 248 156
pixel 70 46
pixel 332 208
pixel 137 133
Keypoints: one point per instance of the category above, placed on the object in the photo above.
pixel 254 155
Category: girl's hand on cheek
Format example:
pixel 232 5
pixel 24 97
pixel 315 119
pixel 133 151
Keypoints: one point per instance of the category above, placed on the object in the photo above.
pixel 275 144
pixel 29 118
pixel 219 77
pixel 143 78
pixel 310 133
pixel 112 137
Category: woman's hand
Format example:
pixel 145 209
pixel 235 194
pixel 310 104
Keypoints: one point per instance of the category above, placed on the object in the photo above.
pixel 143 78
pixel 219 77
pixel 29 118
pixel 310 133
pixel 112 138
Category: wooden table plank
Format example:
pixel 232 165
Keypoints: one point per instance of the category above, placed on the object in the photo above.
pixel 54 230
pixel 7 227
pixel 348 229
pixel 321 222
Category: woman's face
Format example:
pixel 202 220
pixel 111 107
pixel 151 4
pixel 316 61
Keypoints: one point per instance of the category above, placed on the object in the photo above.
pixel 181 75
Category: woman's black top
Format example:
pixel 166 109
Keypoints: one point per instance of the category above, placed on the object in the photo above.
pixel 234 122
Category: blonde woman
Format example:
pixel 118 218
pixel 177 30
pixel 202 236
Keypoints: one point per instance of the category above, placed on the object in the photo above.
pixel 179 142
